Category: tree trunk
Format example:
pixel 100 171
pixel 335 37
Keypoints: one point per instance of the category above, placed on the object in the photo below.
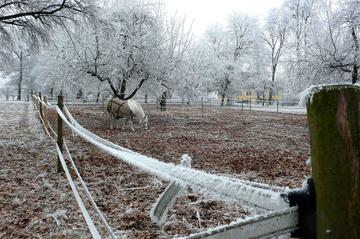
pixel 270 95
pixel 273 75
pixel 223 94
pixel 354 74
pixel 98 96
pixel 263 96
pixel 52 92
pixel 354 78
pixel 20 76
pixel 122 89
pixel 334 116
pixel 222 99
pixel 7 94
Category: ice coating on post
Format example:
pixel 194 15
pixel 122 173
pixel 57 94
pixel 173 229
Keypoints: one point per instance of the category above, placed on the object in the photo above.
pixel 307 94
pixel 334 124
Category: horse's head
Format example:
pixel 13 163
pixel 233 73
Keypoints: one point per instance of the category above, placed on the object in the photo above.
pixel 144 122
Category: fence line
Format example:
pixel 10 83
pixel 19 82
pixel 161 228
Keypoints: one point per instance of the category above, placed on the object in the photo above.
pixel 83 209
pixel 268 225
pixel 265 106
pixel 93 203
pixel 89 222
pixel 257 195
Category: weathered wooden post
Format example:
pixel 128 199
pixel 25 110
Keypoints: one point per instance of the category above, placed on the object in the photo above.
pixel 46 122
pixel 250 104
pixel 242 105
pixel 60 131
pixel 40 106
pixel 34 101
pixel 334 124
pixel 277 106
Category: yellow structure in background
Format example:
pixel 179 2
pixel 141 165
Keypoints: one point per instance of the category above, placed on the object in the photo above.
pixel 250 94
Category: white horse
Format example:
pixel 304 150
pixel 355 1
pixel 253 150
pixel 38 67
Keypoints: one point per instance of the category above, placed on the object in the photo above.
pixel 128 109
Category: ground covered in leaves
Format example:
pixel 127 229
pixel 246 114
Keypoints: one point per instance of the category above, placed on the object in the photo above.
pixel 37 202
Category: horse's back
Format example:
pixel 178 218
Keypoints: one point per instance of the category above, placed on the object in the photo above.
pixel 118 107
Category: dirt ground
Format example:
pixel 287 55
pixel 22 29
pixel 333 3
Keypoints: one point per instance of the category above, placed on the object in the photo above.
pixel 258 146
pixel 263 147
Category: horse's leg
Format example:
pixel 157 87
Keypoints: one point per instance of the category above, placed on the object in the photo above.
pixel 131 123
pixel 111 120
pixel 125 122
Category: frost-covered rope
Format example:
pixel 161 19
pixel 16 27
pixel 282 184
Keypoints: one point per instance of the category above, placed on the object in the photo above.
pixel 52 130
pixel 46 130
pixel 51 106
pixel 259 185
pixel 94 136
pixel 197 179
pixel 94 232
pixel 115 146
pixel 93 203
pixel 85 213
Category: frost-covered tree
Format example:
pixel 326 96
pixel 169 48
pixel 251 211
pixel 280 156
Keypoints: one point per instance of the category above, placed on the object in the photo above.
pixel 323 42
pixel 133 44
pixel 275 33
pixel 230 48
pixel 343 35
pixel 301 14
pixel 33 20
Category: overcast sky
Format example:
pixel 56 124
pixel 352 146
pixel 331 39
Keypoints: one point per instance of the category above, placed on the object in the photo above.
pixel 206 12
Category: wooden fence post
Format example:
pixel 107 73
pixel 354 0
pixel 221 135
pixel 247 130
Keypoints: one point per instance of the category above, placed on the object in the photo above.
pixel 35 102
pixel 334 116
pixel 250 104
pixel 46 114
pixel 40 106
pixel 60 131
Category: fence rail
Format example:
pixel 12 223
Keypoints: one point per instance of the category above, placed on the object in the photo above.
pixel 42 107
pixel 245 105
pixel 263 226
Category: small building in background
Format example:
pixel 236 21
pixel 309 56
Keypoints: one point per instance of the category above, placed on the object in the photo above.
pixel 248 94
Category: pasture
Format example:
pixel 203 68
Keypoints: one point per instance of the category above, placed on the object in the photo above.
pixel 36 200
pixel 258 146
